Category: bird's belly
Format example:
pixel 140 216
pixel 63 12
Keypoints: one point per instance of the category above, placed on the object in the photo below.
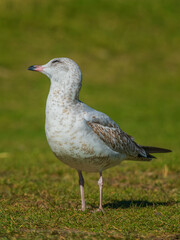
pixel 91 164
pixel 80 149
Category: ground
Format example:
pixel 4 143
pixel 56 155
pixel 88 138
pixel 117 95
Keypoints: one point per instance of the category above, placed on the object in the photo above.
pixel 129 54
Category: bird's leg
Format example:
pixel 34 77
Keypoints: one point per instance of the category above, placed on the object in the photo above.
pixel 81 183
pixel 100 183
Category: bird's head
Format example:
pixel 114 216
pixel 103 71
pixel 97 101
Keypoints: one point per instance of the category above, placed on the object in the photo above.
pixel 58 69
pixel 64 73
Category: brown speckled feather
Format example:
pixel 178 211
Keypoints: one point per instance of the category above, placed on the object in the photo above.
pixel 116 139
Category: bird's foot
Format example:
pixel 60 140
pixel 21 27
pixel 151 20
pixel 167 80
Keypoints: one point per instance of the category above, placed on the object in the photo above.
pixel 100 209
pixel 81 209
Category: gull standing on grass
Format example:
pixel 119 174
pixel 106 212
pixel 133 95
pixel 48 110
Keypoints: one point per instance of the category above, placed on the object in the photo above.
pixel 80 136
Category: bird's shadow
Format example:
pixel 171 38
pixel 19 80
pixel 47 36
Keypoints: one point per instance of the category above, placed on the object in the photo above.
pixel 138 203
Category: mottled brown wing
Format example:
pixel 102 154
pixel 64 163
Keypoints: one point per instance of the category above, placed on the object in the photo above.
pixel 116 139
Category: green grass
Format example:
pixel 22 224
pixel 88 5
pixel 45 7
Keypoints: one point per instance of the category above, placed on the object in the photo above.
pixel 129 54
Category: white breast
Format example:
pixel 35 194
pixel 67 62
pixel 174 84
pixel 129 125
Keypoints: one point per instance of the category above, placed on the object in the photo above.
pixel 72 140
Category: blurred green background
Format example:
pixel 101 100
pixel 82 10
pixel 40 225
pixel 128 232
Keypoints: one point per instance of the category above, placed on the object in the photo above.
pixel 129 54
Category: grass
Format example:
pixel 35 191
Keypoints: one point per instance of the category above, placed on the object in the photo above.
pixel 129 54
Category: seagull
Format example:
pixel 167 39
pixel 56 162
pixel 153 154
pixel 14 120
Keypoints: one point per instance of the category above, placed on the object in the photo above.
pixel 81 137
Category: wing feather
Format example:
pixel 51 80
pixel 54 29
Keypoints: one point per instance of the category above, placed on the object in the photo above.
pixel 111 134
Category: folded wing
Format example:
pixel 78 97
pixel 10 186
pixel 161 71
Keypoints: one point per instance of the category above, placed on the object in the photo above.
pixel 111 134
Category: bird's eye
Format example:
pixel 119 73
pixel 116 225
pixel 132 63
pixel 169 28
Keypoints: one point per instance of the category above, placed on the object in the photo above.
pixel 55 61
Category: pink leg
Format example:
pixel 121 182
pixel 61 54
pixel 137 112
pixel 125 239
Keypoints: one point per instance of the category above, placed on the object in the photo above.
pixel 81 183
pixel 100 183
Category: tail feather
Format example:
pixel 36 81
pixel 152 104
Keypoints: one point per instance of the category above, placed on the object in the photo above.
pixel 155 149
pixel 148 156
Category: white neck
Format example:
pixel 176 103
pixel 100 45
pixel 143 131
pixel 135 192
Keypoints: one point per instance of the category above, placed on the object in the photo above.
pixel 65 90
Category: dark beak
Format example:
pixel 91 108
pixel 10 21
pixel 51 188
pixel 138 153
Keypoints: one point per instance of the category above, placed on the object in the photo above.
pixel 37 68
pixel 32 68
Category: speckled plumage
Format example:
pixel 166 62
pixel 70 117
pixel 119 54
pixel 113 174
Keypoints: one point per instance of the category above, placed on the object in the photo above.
pixel 78 135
